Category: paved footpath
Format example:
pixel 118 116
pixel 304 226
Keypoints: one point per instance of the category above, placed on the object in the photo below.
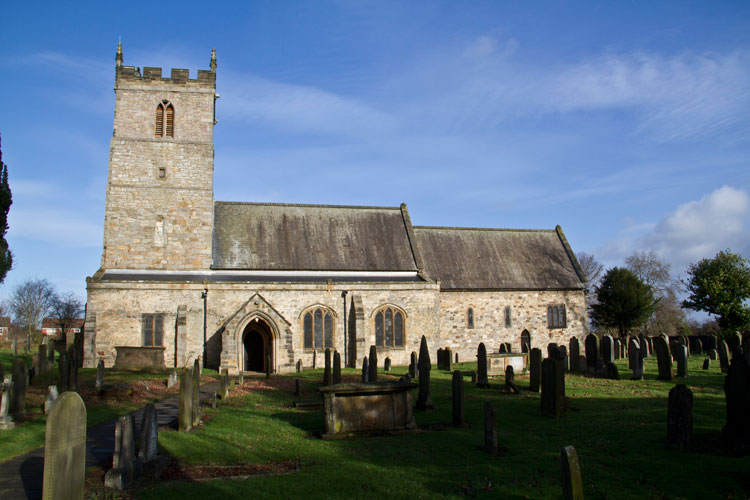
pixel 21 477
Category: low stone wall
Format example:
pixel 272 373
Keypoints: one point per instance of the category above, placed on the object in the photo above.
pixel 139 358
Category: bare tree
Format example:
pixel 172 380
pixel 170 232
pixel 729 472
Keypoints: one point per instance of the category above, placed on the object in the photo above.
pixel 590 267
pixel 66 307
pixel 30 301
pixel 652 270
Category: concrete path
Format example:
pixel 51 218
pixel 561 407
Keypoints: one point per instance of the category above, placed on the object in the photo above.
pixel 21 477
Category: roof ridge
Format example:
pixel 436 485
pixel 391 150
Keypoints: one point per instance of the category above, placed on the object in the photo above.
pixel 304 205
pixel 487 229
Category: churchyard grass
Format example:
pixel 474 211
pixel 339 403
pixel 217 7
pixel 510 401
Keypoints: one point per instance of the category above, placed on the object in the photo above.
pixel 617 427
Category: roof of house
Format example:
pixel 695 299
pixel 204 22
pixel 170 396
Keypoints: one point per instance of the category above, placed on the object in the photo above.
pixel 276 237
pixel 497 259
pixel 53 323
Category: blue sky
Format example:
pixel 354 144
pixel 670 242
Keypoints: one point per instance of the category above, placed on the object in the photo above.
pixel 627 123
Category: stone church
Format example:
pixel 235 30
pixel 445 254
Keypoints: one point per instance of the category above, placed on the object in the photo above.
pixel 256 286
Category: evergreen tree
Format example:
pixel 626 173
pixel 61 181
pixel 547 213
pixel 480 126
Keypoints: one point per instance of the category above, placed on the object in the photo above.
pixel 6 200
pixel 623 301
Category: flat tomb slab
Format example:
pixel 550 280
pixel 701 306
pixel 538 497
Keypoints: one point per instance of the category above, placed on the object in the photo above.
pixel 496 363
pixel 378 406
pixel 139 358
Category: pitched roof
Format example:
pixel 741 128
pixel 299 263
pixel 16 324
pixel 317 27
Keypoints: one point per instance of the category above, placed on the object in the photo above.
pixel 497 259
pixel 53 323
pixel 269 236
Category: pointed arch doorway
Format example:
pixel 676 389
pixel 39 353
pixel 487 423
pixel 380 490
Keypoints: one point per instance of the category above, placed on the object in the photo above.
pixel 257 346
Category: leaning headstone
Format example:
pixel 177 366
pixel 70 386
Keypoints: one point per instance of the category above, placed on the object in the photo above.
pixel 99 374
pixel 196 394
pixel 457 398
pixel 724 356
pixel 424 398
pixel 706 364
pixel 72 369
pixel 148 440
pixel 51 399
pixel 482 380
pixel 663 358
pixel 125 468
pixel 65 449
pixel 327 368
pixel 448 359
pixel 18 391
pixel 535 369
pixel 365 371
pixel 574 351
pixel 63 373
pixel 42 359
pixel 336 379
pixel 6 421
pixel 413 365
pixel 682 361
pixel 373 364
pixel 607 349
pixel 387 365
pixel 172 379
pixel 712 354
pixel 572 485
pixel 490 434
pixel 185 418
pixel 510 380
pixel 612 372
pixel 592 352
pixel 635 359
pixel 679 417
pixel 552 400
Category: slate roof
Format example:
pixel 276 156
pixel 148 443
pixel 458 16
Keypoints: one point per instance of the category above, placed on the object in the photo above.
pixel 269 236
pixel 498 259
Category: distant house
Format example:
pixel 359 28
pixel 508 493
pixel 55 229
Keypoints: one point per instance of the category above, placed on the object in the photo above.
pixel 51 326
pixel 4 326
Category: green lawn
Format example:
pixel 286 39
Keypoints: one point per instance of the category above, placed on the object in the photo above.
pixel 617 427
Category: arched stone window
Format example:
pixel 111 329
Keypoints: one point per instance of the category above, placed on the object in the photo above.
pixel 164 122
pixel 390 327
pixel 525 341
pixel 470 317
pixel 318 328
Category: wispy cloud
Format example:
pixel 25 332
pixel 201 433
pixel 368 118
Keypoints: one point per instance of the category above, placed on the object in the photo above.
pixel 58 226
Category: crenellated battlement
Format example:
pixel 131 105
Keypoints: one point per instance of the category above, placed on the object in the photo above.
pixel 177 76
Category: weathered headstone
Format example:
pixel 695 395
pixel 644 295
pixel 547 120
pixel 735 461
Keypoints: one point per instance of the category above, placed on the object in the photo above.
pixel 607 349
pixel 682 361
pixel 365 371
pixel 172 379
pixel 63 373
pixel 574 350
pixel 99 374
pixel 413 365
pixel 387 365
pixel 706 364
pixel 734 342
pixel 663 358
pixel 6 387
pixel 424 398
pixel 300 368
pixel 535 369
pixel 510 380
pixel 440 363
pixel 448 359
pixel 490 434
pixel 553 388
pixel 42 359
pixel 125 467
pixel 572 485
pixel 679 417
pixel 697 346
pixel 563 350
pixel 503 348
pixel 712 354
pixel 736 431
pixel 635 359
pixel 373 364
pixel 18 391
pixel 51 399
pixel 196 394
pixel 65 449
pixel 482 380
pixel 592 352
pixel 314 363
pixel 336 367
pixel 185 418
pixel 148 443
pixel 456 358
pixel 724 356
pixel 72 369
pixel 224 386
pixel 457 398
pixel 327 376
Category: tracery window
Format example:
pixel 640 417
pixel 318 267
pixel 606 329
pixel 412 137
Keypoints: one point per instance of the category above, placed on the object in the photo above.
pixel 164 122
pixel 389 327
pixel 153 330
pixel 556 316
pixel 470 318
pixel 317 327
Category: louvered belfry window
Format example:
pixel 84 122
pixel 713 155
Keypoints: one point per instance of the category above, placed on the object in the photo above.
pixel 164 123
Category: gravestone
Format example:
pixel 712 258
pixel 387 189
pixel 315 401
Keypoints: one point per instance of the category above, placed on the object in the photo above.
pixel 327 368
pixel 51 399
pixel 6 421
pixel 635 359
pixel 553 388
pixel 18 391
pixel 645 346
pixel 373 364
pixel 617 348
pixel 682 361
pixel 734 342
pixel 424 398
pixel 697 346
pixel 673 349
pixel 297 387
pixel 482 380
pixel 336 367
pixel 196 394
pixel 456 358
pixel 612 372
pixel 224 385
pixel 457 398
pixel 299 366
pixel 99 374
pixel 679 417
pixel 574 350
pixel 508 347
pixel 663 358
pixel 42 359
pixel 448 359
pixel 552 349
pixel 510 380
pixel 365 371
pixel 185 417
pixel 65 449
pixel 535 369
pixel 592 352
pixel 315 355
pixel 503 348
pixel 148 442
pixel 72 369
pixel 413 365
pixel 63 373
pixel 172 379
pixel 125 467
pixel 563 350
pixel 582 363
pixel 490 434
pixel 736 431
pixel 570 469
pixel 607 349
pixel 213 399
pixel 712 354
pixel 723 356
pixel 706 364
pixel 387 364
pixel 440 363
pixel 15 347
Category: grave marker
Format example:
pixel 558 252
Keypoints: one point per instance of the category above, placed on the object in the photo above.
pixel 510 380
pixel 63 374
pixel 373 364
pixel 572 485
pixel 607 349
pixel 125 467
pixel 679 417
pixel 51 399
pixel 72 369
pixel 336 367
pixel 448 359
pixel 327 368
pixel 635 359
pixel 185 418
pixel 724 356
pixel 663 358
pixel 195 378
pixel 424 398
pixel 553 388
pixel 18 390
pixel 682 361
pixel 365 371
pixel 299 366
pixel 706 364
pixel 490 434
pixel 574 348
pixel 736 431
pixel 6 421
pixel 387 365
pixel 712 354
pixel 413 365
pixel 592 352
pixel 172 379
pixel 99 374
pixel 65 449
pixel 535 369
pixel 482 380
pixel 457 398
pixel 612 372
pixel 148 443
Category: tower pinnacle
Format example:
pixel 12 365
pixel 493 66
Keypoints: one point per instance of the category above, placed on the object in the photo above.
pixel 118 57
pixel 213 60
